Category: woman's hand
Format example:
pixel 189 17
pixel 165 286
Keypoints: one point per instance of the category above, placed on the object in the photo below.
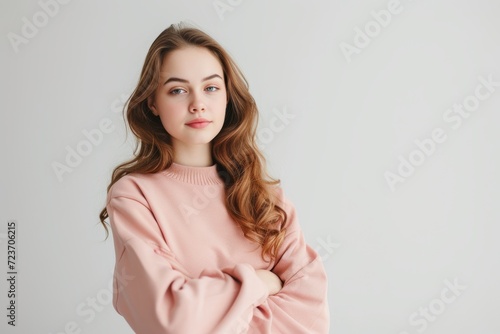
pixel 272 280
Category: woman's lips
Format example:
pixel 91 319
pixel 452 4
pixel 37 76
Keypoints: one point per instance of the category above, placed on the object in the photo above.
pixel 199 123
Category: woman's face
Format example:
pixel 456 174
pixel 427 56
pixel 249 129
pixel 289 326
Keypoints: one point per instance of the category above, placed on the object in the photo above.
pixel 191 98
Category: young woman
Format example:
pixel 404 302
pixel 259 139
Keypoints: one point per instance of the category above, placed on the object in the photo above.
pixel 205 240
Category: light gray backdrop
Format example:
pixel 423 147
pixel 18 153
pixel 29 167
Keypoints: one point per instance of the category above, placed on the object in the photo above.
pixel 380 118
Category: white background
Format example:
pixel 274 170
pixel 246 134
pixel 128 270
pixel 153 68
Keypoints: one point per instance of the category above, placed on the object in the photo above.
pixel 388 252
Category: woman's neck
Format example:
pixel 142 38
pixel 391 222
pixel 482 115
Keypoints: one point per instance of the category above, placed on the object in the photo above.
pixel 193 155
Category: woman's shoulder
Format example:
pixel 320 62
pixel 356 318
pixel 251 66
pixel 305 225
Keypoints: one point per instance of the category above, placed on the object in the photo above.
pixel 288 206
pixel 134 184
pixel 281 198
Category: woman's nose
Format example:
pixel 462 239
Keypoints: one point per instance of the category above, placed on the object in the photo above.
pixel 197 104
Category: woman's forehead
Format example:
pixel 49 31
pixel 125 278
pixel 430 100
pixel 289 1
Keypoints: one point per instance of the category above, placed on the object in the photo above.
pixel 190 63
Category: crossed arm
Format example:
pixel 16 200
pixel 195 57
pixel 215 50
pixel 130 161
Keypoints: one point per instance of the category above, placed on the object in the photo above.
pixel 161 298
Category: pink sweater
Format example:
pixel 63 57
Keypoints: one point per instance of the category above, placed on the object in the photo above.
pixel 183 265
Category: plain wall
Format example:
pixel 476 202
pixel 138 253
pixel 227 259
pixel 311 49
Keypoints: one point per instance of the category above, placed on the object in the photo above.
pixel 395 186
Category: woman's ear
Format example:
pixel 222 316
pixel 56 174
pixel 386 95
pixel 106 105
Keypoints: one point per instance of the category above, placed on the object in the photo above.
pixel 152 106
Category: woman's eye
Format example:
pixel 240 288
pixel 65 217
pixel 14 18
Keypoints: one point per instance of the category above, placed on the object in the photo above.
pixel 212 89
pixel 177 91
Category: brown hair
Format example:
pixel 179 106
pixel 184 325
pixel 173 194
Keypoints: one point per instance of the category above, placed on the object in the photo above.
pixel 250 198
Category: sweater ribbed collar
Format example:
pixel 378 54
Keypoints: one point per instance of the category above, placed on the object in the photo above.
pixel 194 175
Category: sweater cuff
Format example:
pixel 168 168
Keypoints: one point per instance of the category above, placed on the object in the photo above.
pixel 261 290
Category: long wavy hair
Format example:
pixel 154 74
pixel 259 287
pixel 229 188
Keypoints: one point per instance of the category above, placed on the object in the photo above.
pixel 250 198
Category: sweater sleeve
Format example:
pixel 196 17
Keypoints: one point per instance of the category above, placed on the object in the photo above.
pixel 155 294
pixel 301 305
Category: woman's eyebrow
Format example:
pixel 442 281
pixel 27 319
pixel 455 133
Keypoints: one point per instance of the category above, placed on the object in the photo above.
pixel 186 81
